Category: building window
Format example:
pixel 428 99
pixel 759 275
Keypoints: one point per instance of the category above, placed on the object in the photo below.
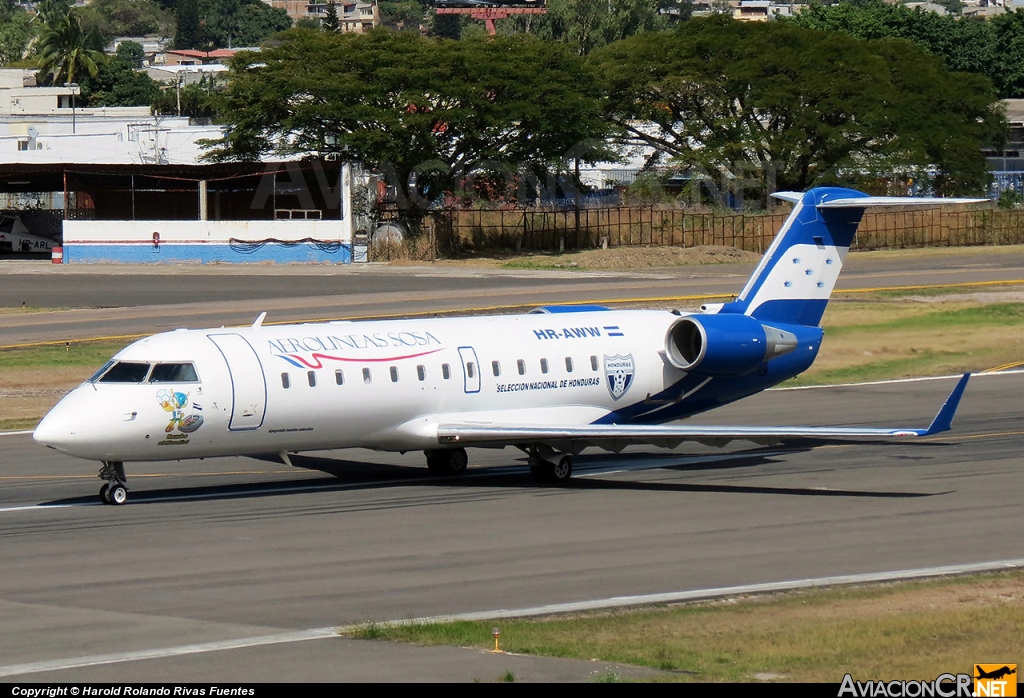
pixel 366 375
pixel 339 377
pixel 568 364
pixel 446 372
pixel 421 372
pixel 543 365
pixel 311 377
pixel 394 374
pixel 286 382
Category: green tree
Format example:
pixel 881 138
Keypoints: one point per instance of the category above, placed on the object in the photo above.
pixel 231 23
pixel 17 30
pixel 430 113
pixel 196 100
pixel 118 84
pixel 189 30
pixel 773 100
pixel 64 51
pixel 113 18
pixel 589 24
pixel 330 21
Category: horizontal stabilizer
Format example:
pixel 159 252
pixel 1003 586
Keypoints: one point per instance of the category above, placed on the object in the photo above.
pixel 616 436
pixel 790 196
pixel 866 201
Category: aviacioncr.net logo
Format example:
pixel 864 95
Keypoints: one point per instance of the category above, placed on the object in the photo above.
pixel 943 686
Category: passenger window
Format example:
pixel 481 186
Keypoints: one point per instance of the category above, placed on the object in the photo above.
pixel 421 372
pixel 496 368
pixel 173 373
pixel 568 364
pixel 366 375
pixel 543 365
pixel 311 377
pixel 339 377
pixel 470 369
pixel 521 365
pixel 593 363
pixel 394 374
pixel 446 372
pixel 125 372
pixel 286 382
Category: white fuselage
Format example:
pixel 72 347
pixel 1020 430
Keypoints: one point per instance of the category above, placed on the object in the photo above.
pixel 383 385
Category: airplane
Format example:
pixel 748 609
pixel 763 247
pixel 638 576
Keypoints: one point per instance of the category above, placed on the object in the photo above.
pixel 995 674
pixel 14 237
pixel 550 382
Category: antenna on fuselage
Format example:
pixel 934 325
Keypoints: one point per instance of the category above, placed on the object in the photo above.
pixel 259 320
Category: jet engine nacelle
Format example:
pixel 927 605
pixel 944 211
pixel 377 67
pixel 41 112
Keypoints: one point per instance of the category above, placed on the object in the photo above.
pixel 724 345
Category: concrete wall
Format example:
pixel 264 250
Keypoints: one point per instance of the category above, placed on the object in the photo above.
pixel 205 242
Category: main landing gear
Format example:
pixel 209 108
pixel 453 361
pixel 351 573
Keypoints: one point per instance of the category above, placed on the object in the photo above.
pixel 115 491
pixel 447 461
pixel 548 465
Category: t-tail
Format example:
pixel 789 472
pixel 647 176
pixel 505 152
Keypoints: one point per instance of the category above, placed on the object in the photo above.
pixel 795 278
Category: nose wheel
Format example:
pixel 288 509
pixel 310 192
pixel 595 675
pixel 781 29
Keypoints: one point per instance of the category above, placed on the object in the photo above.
pixel 114 491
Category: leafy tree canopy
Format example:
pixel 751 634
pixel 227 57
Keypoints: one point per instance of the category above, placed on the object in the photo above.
pixel 803 107
pixel 17 30
pixel 115 18
pixel 65 51
pixel 118 84
pixel 428 112
pixel 588 24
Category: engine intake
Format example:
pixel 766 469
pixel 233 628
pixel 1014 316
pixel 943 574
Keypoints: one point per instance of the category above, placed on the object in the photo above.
pixel 724 345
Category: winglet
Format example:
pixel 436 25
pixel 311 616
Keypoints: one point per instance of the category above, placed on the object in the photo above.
pixel 259 320
pixel 944 419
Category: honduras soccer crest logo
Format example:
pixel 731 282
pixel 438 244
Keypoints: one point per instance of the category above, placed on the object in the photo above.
pixel 618 371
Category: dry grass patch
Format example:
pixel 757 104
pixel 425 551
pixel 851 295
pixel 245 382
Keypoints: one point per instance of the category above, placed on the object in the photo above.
pixel 904 630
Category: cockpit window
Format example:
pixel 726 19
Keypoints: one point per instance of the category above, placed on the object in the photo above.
pixel 174 373
pixel 96 376
pixel 125 372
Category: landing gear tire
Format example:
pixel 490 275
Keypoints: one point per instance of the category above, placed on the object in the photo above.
pixel 557 473
pixel 114 491
pixel 118 494
pixel 447 461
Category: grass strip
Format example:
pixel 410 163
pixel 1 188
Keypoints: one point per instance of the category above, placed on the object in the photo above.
pixel 905 630
pixel 73 354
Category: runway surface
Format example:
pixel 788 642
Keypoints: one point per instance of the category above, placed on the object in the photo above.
pixel 238 548
pixel 119 301
pixel 222 554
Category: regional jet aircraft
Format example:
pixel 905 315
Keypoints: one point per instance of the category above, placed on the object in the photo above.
pixel 551 382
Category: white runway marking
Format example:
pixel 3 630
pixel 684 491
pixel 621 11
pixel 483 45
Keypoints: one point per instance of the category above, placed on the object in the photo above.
pixel 198 648
pixel 704 594
pixel 574 607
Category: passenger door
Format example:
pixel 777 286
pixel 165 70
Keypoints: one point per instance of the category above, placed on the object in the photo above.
pixel 248 383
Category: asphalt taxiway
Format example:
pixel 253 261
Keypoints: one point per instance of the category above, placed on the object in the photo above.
pixel 227 550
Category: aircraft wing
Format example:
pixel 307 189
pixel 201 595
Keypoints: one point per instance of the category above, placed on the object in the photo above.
pixel 615 437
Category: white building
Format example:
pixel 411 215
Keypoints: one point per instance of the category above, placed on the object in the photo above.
pixel 45 125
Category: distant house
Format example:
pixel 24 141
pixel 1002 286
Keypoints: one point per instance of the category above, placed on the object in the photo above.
pixel 353 17
pixel 194 57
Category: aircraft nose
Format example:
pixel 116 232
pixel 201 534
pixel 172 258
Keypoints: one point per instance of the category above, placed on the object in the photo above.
pixel 57 430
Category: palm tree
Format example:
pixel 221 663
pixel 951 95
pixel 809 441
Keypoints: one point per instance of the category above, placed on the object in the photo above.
pixel 63 50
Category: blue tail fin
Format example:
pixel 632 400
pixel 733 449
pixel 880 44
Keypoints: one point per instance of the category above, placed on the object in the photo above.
pixel 795 278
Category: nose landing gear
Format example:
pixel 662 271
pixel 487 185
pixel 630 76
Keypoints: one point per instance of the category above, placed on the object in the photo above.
pixel 115 491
